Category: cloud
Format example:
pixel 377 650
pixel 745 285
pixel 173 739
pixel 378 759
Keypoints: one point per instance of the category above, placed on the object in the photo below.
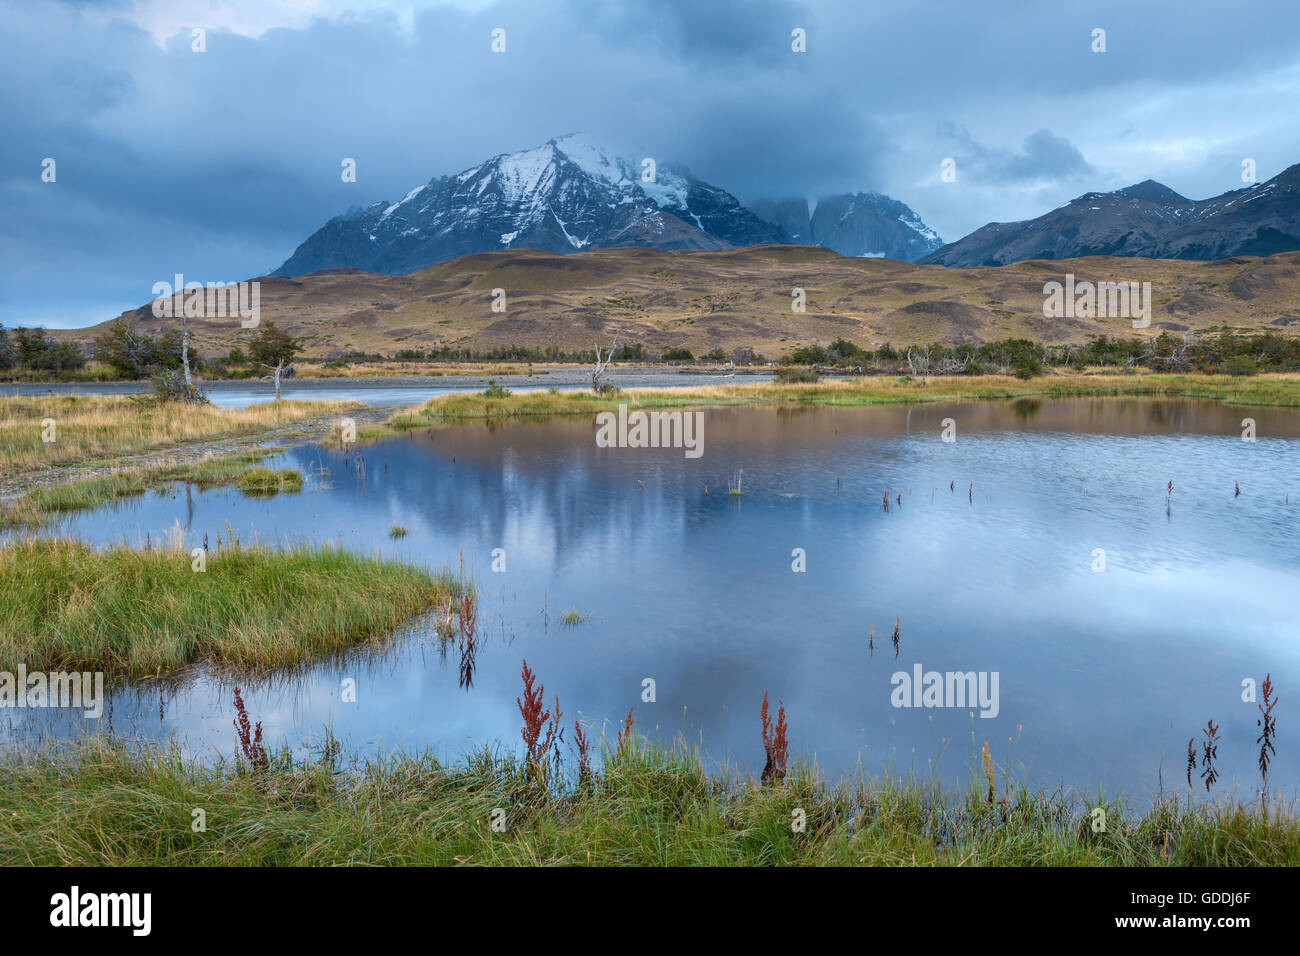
pixel 218 164
pixel 1044 157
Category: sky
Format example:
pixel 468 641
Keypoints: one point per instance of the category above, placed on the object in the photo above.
pixel 217 164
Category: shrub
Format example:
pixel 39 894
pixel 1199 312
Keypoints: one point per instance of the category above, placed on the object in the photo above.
pixel 1241 365
pixel 133 353
pixel 796 375
pixel 271 347
pixel 678 355
pixel 846 351
pixel 807 355
pixel 1027 365
pixel 169 385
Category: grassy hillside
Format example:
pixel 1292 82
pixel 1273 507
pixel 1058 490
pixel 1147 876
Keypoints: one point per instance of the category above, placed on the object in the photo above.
pixel 733 298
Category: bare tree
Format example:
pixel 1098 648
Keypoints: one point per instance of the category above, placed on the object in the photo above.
pixel 598 376
pixel 918 363
pixel 276 369
pixel 1131 360
pixel 923 363
pixel 1177 358
pixel 185 350
pixel 274 350
pixel 952 366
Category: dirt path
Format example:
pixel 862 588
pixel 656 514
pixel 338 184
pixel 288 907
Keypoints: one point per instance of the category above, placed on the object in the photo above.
pixel 292 433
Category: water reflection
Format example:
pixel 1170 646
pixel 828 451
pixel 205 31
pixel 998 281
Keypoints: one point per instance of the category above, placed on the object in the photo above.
pixel 984 562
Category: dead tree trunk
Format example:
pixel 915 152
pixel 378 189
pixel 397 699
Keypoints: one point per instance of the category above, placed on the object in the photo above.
pixel 598 376
pixel 185 353
pixel 275 376
pixel 919 364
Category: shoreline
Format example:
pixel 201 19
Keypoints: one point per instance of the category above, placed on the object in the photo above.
pixel 1280 389
pixel 405 370
pixel 101 801
pixel 227 432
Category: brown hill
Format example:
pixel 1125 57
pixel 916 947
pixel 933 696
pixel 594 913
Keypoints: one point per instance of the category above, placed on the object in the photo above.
pixel 741 297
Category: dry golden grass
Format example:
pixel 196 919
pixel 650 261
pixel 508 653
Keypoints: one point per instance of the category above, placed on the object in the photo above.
pixel 92 427
pixel 1274 389
pixel 408 369
pixel 739 297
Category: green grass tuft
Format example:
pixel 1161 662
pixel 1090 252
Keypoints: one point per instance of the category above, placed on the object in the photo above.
pixel 265 482
pixel 45 502
pixel 103 802
pixel 69 606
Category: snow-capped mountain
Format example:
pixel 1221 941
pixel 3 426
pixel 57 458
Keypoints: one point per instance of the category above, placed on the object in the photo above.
pixel 865 224
pixel 1147 219
pixel 567 195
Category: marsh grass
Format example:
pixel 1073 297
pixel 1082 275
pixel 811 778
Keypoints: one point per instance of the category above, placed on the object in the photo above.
pixel 265 482
pixel 91 427
pixel 1276 389
pixel 102 801
pixel 133 612
pixel 44 502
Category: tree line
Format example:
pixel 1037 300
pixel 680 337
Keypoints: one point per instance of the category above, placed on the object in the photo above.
pixel 1224 352
pixel 133 353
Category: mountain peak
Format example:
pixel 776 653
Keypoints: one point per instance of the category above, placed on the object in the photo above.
pixel 1152 191
pixel 864 224
pixel 572 192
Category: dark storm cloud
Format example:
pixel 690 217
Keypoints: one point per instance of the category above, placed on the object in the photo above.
pixel 717 34
pixel 1044 156
pixel 218 164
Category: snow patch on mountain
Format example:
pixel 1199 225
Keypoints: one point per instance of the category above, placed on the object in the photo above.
pixel 863 224
pixel 568 194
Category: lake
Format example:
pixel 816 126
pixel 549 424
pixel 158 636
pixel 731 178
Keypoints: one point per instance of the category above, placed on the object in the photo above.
pixel 397 390
pixel 987 558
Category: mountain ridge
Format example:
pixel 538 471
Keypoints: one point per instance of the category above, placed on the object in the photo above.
pixel 1147 220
